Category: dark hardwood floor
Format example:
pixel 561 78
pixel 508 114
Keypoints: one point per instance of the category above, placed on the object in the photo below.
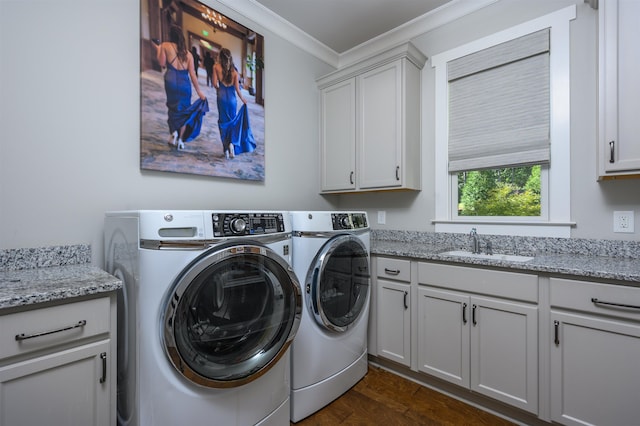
pixel 383 398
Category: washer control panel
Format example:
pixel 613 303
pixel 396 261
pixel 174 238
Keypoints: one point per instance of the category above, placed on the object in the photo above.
pixel 349 221
pixel 240 224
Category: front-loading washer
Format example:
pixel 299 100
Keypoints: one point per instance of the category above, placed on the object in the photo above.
pixel 208 310
pixel 329 353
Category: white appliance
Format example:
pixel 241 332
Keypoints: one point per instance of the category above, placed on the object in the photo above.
pixel 209 308
pixel 329 353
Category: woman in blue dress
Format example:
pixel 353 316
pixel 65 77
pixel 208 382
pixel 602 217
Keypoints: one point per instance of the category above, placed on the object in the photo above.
pixel 184 118
pixel 235 131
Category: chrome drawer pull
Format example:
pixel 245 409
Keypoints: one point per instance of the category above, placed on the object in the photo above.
pixel 23 336
pixel 620 305
pixel 473 314
pixel 103 357
pixel 612 147
pixel 391 271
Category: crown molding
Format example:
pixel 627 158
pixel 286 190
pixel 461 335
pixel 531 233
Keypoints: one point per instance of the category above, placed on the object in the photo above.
pixel 274 23
pixel 278 25
pixel 443 15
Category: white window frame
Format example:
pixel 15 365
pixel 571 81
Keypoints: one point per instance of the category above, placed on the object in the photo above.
pixel 555 219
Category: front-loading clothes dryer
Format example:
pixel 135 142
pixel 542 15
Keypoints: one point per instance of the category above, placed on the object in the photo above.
pixel 329 353
pixel 208 310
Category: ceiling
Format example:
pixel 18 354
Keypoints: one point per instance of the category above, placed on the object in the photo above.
pixel 344 24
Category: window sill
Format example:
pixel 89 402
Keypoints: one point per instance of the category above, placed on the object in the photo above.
pixel 521 228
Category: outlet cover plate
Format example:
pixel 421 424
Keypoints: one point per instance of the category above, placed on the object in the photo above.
pixel 623 221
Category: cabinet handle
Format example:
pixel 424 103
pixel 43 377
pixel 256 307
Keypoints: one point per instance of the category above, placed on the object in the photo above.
pixel 612 148
pixel 620 305
pixel 473 315
pixel 556 338
pixel 406 293
pixel 103 357
pixel 22 336
pixel 351 178
pixel 391 271
pixel 464 313
pixel 397 172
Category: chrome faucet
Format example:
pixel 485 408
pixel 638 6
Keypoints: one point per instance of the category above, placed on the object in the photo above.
pixel 475 241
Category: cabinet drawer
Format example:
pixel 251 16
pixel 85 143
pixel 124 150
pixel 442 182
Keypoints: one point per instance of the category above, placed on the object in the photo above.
pixel 37 329
pixel 601 299
pixel 394 269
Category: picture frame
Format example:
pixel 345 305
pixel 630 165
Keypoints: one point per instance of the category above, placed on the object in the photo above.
pixel 179 131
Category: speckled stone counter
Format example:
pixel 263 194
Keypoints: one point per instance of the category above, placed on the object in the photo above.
pixel 600 259
pixel 32 276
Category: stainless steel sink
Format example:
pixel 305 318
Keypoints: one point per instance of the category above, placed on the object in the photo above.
pixel 500 257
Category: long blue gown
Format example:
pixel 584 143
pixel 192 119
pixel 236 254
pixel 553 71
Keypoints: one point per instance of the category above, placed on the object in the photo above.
pixel 234 126
pixel 182 112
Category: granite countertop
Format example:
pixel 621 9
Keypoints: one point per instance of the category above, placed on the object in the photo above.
pixel 50 274
pixel 32 286
pixel 617 268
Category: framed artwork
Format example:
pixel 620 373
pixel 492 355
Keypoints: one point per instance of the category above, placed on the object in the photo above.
pixel 202 92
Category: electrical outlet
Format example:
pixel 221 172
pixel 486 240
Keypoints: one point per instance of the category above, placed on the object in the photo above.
pixel 623 222
pixel 382 217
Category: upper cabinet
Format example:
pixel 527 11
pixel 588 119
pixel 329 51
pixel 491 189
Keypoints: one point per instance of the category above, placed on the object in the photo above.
pixel 619 86
pixel 370 124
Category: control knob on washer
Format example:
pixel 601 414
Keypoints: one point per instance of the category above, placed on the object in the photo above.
pixel 238 225
pixel 345 222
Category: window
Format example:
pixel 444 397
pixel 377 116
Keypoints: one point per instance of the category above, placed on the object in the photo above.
pixel 502 131
pixel 513 191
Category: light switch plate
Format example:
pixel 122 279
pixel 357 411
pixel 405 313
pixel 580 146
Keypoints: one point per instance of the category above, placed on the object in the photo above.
pixel 382 217
pixel 623 221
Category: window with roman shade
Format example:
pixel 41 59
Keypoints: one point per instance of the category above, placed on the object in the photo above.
pixel 499 105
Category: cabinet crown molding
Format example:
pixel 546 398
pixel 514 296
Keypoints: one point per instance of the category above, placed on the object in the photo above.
pixel 404 51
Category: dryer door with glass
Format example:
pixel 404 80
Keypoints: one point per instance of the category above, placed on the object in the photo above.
pixel 231 315
pixel 338 283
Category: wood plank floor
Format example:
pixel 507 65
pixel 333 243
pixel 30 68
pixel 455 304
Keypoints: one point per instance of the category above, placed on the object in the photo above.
pixel 383 398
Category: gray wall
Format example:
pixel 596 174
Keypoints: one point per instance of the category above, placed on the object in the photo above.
pixel 69 123
pixel 592 202
pixel 69 126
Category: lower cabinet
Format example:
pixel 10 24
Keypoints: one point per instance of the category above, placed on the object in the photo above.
pixel 394 310
pixel 394 322
pixel 486 330
pixel 477 341
pixel 595 353
pixel 485 344
pixel 57 364
pixel 63 388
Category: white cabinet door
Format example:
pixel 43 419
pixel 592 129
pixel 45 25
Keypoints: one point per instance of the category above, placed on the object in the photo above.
pixel 619 90
pixel 394 321
pixel 370 123
pixel 443 335
pixel 595 374
pixel 380 126
pixel 504 351
pixel 338 136
pixel 62 388
pixel 487 345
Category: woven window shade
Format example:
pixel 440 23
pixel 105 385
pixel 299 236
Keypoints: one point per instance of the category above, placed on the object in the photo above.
pixel 499 105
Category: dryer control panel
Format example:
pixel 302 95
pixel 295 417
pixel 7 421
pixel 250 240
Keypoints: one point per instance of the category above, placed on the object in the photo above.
pixel 349 221
pixel 240 224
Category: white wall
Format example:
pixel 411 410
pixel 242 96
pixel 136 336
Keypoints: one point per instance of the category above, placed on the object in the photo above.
pixel 69 126
pixel 592 202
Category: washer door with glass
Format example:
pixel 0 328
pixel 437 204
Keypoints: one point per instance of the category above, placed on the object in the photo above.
pixel 231 315
pixel 338 283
